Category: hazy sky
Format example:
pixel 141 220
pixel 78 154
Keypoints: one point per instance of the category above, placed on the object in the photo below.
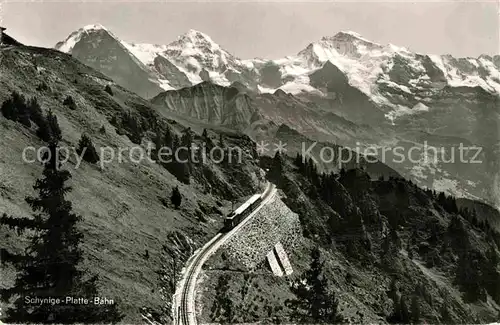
pixel 267 29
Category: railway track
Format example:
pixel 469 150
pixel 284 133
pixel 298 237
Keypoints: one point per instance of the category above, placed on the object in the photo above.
pixel 184 305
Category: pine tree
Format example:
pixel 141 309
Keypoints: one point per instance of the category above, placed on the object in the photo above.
pixel 314 303
pixel 16 109
pixel 8 108
pixel 51 266
pixel 393 292
pixel 445 314
pixel 405 313
pixel 134 126
pixel 187 142
pixel 298 162
pixel 415 309
pixel 48 128
pixel 86 147
pixel 158 142
pixel 208 140
pixel 35 110
pixel 276 169
pixel 54 126
pixel 169 139
pixel 176 197
pixel 468 275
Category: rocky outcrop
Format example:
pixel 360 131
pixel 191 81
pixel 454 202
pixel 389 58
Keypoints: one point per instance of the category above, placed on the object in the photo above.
pixel 169 71
pixel 209 103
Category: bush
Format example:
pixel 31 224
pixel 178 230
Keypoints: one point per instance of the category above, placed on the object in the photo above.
pixel 70 103
pixel 108 90
pixel 42 86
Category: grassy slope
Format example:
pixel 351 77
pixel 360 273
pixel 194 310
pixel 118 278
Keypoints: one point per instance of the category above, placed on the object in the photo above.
pixel 120 205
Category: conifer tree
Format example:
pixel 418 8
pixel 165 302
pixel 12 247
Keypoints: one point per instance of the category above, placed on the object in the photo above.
pixel 169 139
pixel 158 142
pixel 15 109
pixel 86 147
pixel 276 169
pixel 48 128
pixel 314 303
pixel 187 142
pixel 415 309
pixel 35 110
pixel 51 265
pixel 445 314
pixel 405 313
pixel 207 139
pixel 176 197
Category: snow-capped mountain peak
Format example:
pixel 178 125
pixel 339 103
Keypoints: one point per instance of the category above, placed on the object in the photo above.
pixel 197 44
pixel 348 36
pixel 196 38
pixel 94 27
pixel 379 71
pixel 69 43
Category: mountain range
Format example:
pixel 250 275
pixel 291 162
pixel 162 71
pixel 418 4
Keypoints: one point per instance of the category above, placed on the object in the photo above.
pixel 387 248
pixel 342 89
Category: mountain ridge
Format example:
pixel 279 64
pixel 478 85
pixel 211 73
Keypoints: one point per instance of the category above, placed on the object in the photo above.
pixel 363 61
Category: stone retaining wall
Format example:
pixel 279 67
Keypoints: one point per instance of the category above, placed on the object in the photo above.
pixel 272 224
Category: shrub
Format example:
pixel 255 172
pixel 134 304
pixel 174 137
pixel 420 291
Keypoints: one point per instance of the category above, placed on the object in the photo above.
pixel 70 103
pixel 108 90
pixel 42 86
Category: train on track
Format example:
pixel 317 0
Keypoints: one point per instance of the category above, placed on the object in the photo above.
pixel 235 217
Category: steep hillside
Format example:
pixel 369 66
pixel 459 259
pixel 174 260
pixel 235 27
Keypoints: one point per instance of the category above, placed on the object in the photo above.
pixel 134 238
pixel 392 252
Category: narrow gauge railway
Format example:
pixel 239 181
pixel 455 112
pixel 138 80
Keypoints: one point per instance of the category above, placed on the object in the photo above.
pixel 235 217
